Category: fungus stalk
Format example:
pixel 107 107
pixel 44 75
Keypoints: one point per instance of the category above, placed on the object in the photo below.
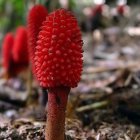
pixel 57 102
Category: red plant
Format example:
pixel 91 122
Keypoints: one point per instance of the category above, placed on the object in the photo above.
pixel 58 52
pixel 7 46
pixel 20 50
pixel 15 52
pixel 35 18
pixel 58 65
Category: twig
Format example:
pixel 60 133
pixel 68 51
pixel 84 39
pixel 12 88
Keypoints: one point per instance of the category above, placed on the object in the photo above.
pixel 103 83
pixel 92 106
pixel 120 66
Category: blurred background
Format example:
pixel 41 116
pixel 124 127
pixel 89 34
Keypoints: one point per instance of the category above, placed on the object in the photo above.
pixel 106 103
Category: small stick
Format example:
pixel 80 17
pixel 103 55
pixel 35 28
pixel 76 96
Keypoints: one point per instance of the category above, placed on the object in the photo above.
pixel 92 106
pixel 131 65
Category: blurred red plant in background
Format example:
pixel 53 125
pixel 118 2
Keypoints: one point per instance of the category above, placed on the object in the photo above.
pixel 15 52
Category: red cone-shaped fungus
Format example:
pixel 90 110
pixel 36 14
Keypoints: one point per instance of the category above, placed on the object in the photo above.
pixel 15 52
pixel 57 59
pixel 58 55
pixel 6 50
pixel 20 50
pixel 36 16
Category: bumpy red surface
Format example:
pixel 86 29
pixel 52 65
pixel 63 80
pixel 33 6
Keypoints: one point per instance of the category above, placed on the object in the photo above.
pixel 35 18
pixel 58 55
pixel 6 50
pixel 20 50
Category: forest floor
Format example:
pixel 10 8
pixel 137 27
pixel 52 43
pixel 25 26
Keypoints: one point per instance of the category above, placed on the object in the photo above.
pixel 105 105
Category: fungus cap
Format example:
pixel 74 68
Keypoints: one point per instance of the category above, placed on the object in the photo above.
pixel 35 18
pixel 58 54
pixel 6 50
pixel 20 49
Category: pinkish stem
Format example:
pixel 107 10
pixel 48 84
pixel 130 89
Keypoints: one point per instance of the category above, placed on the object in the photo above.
pixel 57 102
